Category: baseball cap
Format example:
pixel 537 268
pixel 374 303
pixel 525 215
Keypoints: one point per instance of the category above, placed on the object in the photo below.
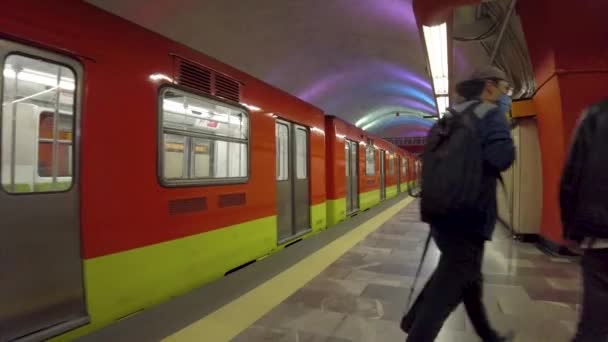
pixel 488 72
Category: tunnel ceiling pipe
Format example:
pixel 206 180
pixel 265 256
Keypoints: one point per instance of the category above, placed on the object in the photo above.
pixel 503 28
pixel 381 117
pixel 372 114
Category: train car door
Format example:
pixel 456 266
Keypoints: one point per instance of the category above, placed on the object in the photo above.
pixel 352 176
pixel 404 171
pixel 41 277
pixel 293 180
pixel 398 174
pixel 382 175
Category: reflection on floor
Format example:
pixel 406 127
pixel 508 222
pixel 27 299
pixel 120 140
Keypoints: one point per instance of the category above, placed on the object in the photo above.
pixel 361 297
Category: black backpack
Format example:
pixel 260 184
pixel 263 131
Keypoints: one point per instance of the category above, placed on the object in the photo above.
pixel 452 168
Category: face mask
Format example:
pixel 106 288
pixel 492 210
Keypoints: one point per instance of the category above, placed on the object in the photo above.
pixel 504 102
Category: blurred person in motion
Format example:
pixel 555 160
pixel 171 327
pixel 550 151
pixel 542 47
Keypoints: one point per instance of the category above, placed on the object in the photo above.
pixel 584 211
pixel 466 151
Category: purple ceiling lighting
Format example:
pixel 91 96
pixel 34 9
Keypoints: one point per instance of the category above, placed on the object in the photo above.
pixel 346 100
pixel 390 117
pixel 358 74
pixel 395 104
pixel 400 128
pixel 395 13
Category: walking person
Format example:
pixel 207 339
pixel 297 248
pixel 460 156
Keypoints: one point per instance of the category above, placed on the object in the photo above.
pixel 584 211
pixel 463 158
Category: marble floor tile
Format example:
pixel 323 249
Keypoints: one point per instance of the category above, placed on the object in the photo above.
pixel 262 334
pixel 385 293
pixel 316 322
pixel 360 330
pixel 362 296
pixel 380 279
pixel 337 285
pixel 335 272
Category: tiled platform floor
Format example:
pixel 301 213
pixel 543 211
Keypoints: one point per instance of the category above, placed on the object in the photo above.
pixel 361 296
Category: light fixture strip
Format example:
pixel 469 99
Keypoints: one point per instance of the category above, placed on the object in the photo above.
pixel 437 50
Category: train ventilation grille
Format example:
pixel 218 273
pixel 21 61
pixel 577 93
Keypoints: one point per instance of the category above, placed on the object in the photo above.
pixel 187 205
pixel 227 88
pixel 207 81
pixel 194 76
pixel 232 200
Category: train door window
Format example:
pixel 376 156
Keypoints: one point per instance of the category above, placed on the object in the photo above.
pixel 205 141
pixel 346 156
pixel 37 125
pixel 282 132
pixel 404 167
pixel 293 185
pixel 382 175
pixel 391 164
pixel 301 153
pixel 41 251
pixel 351 163
pixel 370 159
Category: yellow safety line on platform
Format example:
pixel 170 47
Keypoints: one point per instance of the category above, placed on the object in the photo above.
pixel 231 319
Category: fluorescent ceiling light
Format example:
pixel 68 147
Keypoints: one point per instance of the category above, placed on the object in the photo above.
pixel 443 102
pixel 437 50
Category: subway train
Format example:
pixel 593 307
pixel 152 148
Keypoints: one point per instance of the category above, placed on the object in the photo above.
pixel 135 169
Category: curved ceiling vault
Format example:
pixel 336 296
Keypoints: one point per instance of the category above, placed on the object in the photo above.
pixel 359 60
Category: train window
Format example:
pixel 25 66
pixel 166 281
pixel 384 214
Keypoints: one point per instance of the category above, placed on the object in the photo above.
pixel 404 167
pixel 370 159
pixel 37 125
pixel 175 152
pixel 301 153
pixel 391 165
pixel 346 156
pixel 282 152
pixel 205 141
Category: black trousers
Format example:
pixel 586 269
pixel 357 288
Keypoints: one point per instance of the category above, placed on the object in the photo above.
pixel 456 279
pixel 593 324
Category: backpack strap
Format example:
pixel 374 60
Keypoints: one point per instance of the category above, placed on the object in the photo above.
pixel 468 108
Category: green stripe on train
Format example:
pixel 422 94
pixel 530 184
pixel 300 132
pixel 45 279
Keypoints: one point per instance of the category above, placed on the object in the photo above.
pixel 123 283
pixel 369 199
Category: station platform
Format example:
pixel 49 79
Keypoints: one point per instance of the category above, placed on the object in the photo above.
pixel 351 282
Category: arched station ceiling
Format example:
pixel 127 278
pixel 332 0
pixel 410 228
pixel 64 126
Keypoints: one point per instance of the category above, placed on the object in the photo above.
pixel 360 60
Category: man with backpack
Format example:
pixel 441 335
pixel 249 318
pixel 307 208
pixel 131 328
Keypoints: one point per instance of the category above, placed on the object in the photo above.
pixel 465 152
pixel 584 210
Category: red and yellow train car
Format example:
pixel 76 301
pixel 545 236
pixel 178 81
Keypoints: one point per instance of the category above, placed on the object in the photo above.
pixel 405 177
pixel 388 168
pixel 135 169
pixel 362 169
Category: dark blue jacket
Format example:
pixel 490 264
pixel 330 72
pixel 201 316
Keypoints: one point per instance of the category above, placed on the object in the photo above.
pixel 498 155
pixel 584 183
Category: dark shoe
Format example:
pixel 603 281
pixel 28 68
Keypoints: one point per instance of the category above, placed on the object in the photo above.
pixel 406 323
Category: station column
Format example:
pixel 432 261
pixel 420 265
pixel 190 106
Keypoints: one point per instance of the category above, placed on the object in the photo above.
pixel 568 46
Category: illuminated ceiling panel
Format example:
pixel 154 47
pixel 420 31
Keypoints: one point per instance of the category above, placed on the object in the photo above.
pixel 359 60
